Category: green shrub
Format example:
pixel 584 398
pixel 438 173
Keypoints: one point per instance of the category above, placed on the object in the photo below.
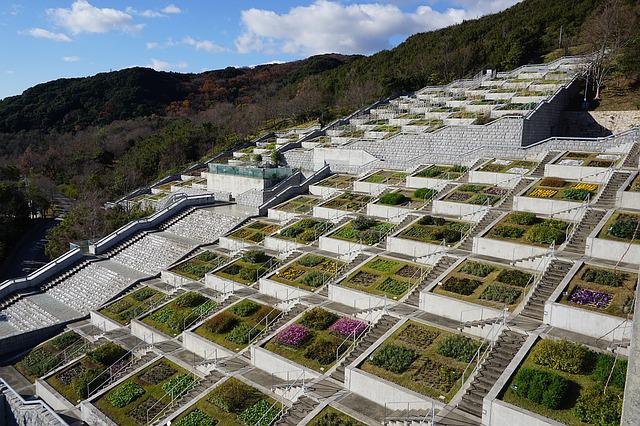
pixel 177 385
pixel 483 198
pixel 500 293
pixel 310 260
pixel 523 218
pixel 65 340
pixel 458 347
pixel 603 367
pixel 319 319
pixel 334 419
pixel 120 305
pixel 190 300
pixel 476 268
pixel 260 413
pixel 170 317
pixel 231 396
pixel 106 354
pixel 240 334
pixel 292 232
pixel 424 193
pixel 595 407
pixel 196 418
pixel 514 277
pixel 362 223
pixel 39 362
pixel 431 220
pixel 125 394
pixel 541 387
pixel 255 256
pixel 394 358
pixel 394 287
pixel 322 350
pixel 245 308
pixel 143 294
pixel 221 323
pixel 542 233
pixel 599 276
pixel 393 199
pixel 80 384
pixel 576 194
pixel 562 355
pixel 462 286
pixel 624 227
pixel 506 231
pixel 470 188
pixel 314 279
pixel 451 235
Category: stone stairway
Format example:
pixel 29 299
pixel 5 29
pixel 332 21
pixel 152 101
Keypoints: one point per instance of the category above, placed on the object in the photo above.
pixel 291 313
pixel 442 265
pixel 382 326
pixel 578 240
pixel 607 198
pixel 294 415
pixel 408 417
pixel 507 204
pixel 406 221
pixel 490 216
pixel 120 247
pixel 503 351
pixel 550 279
pixel 539 170
pixel 356 261
pixel 176 218
pixel 631 161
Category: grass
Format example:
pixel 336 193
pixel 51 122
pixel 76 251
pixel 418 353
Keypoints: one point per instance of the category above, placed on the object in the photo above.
pixel 383 276
pixel 438 171
pixel 132 305
pixel 476 194
pixel 302 204
pixel 348 201
pixel 620 216
pixel 430 374
pixel 254 232
pixel 304 231
pixel 220 328
pixel 387 177
pixel 410 198
pixel 196 267
pixel 338 181
pixel 243 271
pixel 332 416
pixel 588 159
pixel 45 357
pixel 172 317
pixel 370 236
pixel 308 272
pixel 561 189
pixel 623 295
pixel 526 233
pixel 431 229
pixel 498 165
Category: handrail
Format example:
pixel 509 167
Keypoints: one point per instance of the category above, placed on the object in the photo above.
pixel 355 336
pixel 200 312
pixel 112 373
pixel 293 384
pixel 67 353
pixel 388 409
pixel 480 354
pixel 174 396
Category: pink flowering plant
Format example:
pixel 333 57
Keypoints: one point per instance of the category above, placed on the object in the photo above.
pixel 346 327
pixel 294 335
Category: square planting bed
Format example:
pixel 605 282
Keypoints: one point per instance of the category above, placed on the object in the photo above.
pixel 616 238
pixel 587 166
pixel 492 286
pixel 315 341
pixel 520 235
pixel 332 184
pixel 309 272
pixel 123 310
pixel 171 319
pixel 241 272
pixel 501 171
pixel 251 234
pixel 629 197
pixel 330 416
pixel 46 357
pixel 562 381
pixel 424 236
pixel 195 268
pixel 467 199
pixel 379 180
pixel 552 195
pixel 300 205
pixel 435 176
pixel 233 402
pixel 344 203
pixel 143 395
pixel 395 205
pixel 593 300
pixel 356 234
pixel 423 359
pixel 299 234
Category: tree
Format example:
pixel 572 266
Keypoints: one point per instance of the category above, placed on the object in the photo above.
pixel 276 157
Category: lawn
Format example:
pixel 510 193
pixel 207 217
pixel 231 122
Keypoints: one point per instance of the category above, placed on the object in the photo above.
pixel 251 266
pixel 635 185
pixel 348 201
pixel 254 232
pixel 196 267
pixel 132 305
pixel 561 189
pixel 231 403
pixel 363 230
pixel 302 204
pixel 622 226
pixel 338 181
pixel 384 276
pixel 330 416
pixel 470 193
pixel 387 177
pixel 129 402
pixel 406 198
pixel 433 124
pixel 486 284
pixel 527 228
pixel 499 165
pixel 47 356
pixel 305 231
pixel 438 171
pixel 603 290
pixel 172 318
pixel 432 229
pixel 316 338
pixel 588 159
pixel 425 359
pixel 235 327
pixel 564 381
pixel 308 272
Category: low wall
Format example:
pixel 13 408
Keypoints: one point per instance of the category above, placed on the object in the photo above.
pixel 52 397
pixel 322 191
pixel 457 310
pixel 392 213
pixel 503 413
pixel 585 322
pixel 174 279
pixel 339 246
pixel 410 247
pixel 103 322
pixel 222 285
pixel 369 187
pixel 281 291
pixel 588 174
pixel 629 200
pixel 613 250
pixel 506 180
pixel 449 208
pixel 505 249
pixel 232 244
pixel 281 245
pixel 147 333
pixel 278 365
pixel 280 215
pixel 354 298
pixel 545 206
pixel 328 213
pixel 93 416
pixel 424 182
pixel 203 347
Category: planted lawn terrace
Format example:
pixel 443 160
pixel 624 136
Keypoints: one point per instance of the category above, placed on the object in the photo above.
pixel 527 228
pixel 47 356
pixel 408 199
pixel 338 181
pixel 622 226
pixel 446 172
pixel 302 204
pixel 246 270
pixel 348 201
pixel 433 229
pixel 309 272
pixel 172 318
pixel 499 165
pixel 305 231
pixel 132 305
pixel 196 267
pixel 363 230
pixel 587 159
pixel 476 194
pixel 387 177
pixel 561 189
pixel 254 232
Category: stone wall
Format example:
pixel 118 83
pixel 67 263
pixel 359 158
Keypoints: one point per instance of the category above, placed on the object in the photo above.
pixel 14 410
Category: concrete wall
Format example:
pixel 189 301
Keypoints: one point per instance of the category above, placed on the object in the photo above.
pixel 281 291
pixel 613 250
pixel 174 279
pixel 222 285
pixel 545 206
pixel 232 244
pixel 392 213
pixel 503 413
pixel 281 245
pixel 16 411
pixel 147 333
pixel 354 298
pixel 457 310
pixel 505 180
pixel 328 213
pixel 505 249
pixel 49 395
pixel 410 247
pixel 471 212
pixel 233 183
pixel 203 347
pixel 339 246
pixel 629 200
pixel 273 363
pixel 102 322
pixel 424 182
pixel 586 322
pixel 587 174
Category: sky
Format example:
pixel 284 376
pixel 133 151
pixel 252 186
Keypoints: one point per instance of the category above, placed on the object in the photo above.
pixel 46 40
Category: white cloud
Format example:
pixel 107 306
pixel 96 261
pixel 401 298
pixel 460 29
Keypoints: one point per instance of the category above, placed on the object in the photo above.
pixel 71 58
pixel 9 72
pixel 152 45
pixel 171 9
pixel 150 14
pixel 160 65
pixel 326 26
pixel 46 34
pixel 206 45
pixel 83 17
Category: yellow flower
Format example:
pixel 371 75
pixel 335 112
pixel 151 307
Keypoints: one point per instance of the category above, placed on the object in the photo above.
pixel 587 186
pixel 543 193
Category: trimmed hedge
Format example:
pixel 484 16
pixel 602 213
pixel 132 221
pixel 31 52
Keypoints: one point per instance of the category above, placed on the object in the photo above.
pixel 595 407
pixel 603 367
pixel 562 355
pixel 541 387
pixel 458 347
pixel 476 268
pixel 514 277
pixel 319 319
pixel 393 199
pixel 245 308
pixel 462 286
pixel 394 358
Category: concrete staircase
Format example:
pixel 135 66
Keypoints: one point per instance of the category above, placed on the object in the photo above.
pixel 578 241
pixel 631 161
pixel 550 279
pixel 382 326
pixel 539 170
pixel 467 243
pixel 607 198
pixel 408 417
pixel 503 351
pixel 406 221
pixel 294 415
pixel 507 204
pixel 442 265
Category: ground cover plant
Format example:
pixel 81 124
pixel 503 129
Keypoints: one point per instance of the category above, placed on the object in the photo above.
pixel 442 172
pixel 565 381
pixel 561 189
pixel 196 267
pixel 329 416
pixel 422 358
pixel 172 318
pixel 499 165
pixel 236 326
pixel 132 305
pixel 76 380
pixel 476 194
pixel 634 186
pixel 363 230
pixel 246 270
pixel 588 159
pixel 254 232
pixel 527 228
pixel 127 403
pixel 387 177
pixel 486 284
pixel 302 204
pixel 601 290
pixel 316 338
pixel 309 272
pixel 348 201
pixel 412 199
pixel 45 357
pixel 338 181
pixel 622 226
pixel 433 229
pixel 305 231
pixel 385 276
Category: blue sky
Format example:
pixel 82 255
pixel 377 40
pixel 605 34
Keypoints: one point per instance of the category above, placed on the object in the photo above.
pixel 45 40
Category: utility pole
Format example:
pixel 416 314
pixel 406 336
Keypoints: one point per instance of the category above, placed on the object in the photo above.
pixel 560 39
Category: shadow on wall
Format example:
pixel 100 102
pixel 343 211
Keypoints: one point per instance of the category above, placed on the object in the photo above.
pixel 582 124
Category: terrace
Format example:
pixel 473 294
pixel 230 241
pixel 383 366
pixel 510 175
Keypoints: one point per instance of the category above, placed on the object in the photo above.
pixel 197 267
pixel 561 189
pixel 426 232
pixel 393 205
pixel 248 269
pixel 519 167
pixel 302 204
pixel 331 416
pixel 46 357
pixel 347 202
pixel 309 272
pixel 444 172
pixel 476 194
pixel 254 232
pixel 527 228
pixel 588 159
pixel 304 231
pixel 174 317
pixel 622 226
pixel 385 177
pixel 338 181
pixel 362 230
pixel 132 305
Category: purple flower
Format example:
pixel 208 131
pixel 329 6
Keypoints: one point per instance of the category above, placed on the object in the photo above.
pixel 294 335
pixel 348 327
pixel 584 296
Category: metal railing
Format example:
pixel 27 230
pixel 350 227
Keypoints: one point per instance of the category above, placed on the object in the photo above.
pixel 484 349
pixel 114 370
pixel 175 393
pixel 405 412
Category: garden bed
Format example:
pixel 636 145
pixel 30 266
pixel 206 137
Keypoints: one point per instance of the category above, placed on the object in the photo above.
pixel 132 305
pixel 476 194
pixel 196 267
pixel 433 229
pixel 362 230
pixel 407 199
pixel 302 204
pixel 235 327
pixel 129 402
pixel 330 416
pixel 172 317
pixel 309 272
pixel 587 159
pixel 445 172
pixel 424 359
pixel 338 181
pixel 519 167
pixel 254 232
pixel 348 201
pixel 304 231
pixel 634 186
pixel 551 188
pixel 315 339
pixel 527 228
pixel 622 227
pixel 564 381
pixel 383 276
pixel 45 357
pixel 386 177
pixel 246 270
